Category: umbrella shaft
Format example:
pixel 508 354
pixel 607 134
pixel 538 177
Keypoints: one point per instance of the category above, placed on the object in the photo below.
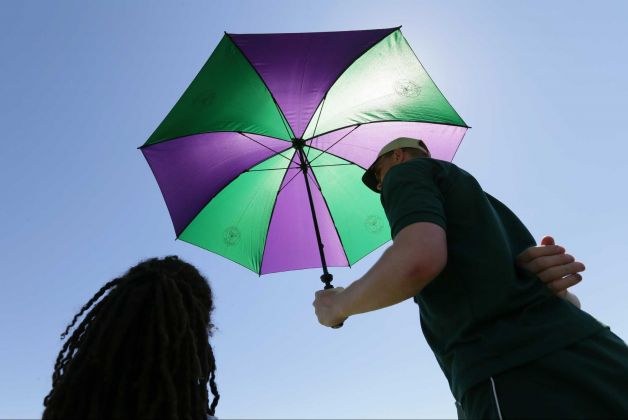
pixel 326 277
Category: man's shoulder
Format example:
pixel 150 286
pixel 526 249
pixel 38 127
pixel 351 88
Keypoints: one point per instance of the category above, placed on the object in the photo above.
pixel 423 172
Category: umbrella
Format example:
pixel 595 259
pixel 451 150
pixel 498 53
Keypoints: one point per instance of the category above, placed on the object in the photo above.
pixel 260 160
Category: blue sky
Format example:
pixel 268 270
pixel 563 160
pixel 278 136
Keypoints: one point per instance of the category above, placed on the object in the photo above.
pixel 543 84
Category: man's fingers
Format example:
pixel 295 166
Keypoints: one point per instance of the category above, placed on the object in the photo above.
pixel 539 251
pixel 541 264
pixel 326 308
pixel 325 292
pixel 561 285
pixel 558 272
pixel 321 296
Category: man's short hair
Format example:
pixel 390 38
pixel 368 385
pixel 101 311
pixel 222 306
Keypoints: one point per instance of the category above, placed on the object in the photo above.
pixel 414 152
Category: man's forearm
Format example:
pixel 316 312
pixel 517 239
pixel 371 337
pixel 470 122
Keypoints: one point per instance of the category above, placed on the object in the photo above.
pixel 393 279
pixel 418 254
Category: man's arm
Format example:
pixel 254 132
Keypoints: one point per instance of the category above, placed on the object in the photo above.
pixel 554 267
pixel 417 256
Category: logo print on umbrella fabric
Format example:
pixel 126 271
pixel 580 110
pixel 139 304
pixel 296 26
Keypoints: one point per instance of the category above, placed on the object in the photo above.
pixel 231 236
pixel 373 223
pixel 205 98
pixel 407 88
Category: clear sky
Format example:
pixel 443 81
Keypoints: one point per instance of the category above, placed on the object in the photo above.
pixel 543 84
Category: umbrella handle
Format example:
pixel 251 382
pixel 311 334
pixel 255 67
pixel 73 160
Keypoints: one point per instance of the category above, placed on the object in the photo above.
pixel 327 278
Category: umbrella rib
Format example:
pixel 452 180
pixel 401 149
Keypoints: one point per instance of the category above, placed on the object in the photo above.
pixel 270 220
pixel 283 118
pixel 315 181
pixel 290 180
pixel 335 164
pixel 351 63
pixel 307 155
pixel 229 183
pixel 389 121
pixel 430 77
pixel 458 147
pixel 144 146
pixel 341 138
pixel 340 157
pixel 271 169
pixel 215 253
pixel 370 252
pixel 421 64
pixel 263 145
pixel 270 92
pixel 332 218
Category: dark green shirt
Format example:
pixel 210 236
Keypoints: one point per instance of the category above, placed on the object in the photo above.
pixel 481 315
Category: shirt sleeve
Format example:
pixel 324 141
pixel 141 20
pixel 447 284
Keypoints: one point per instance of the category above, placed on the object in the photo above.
pixel 410 195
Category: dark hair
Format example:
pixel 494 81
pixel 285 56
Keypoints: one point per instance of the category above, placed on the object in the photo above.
pixel 142 350
pixel 414 152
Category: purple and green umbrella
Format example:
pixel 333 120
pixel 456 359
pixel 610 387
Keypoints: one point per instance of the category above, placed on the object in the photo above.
pixel 261 159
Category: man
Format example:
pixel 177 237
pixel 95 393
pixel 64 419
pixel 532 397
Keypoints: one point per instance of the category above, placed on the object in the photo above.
pixel 508 345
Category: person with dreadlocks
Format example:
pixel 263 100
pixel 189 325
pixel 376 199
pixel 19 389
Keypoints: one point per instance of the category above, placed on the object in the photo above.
pixel 142 349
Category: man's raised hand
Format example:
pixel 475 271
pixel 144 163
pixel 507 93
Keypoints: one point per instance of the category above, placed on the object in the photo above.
pixel 327 307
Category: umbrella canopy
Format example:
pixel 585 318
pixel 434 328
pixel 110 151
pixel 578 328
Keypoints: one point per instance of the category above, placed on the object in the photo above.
pixel 261 159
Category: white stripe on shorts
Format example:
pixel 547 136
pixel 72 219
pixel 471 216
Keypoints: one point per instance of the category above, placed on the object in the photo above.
pixel 499 411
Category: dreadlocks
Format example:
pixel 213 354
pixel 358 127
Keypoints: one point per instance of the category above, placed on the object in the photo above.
pixel 142 349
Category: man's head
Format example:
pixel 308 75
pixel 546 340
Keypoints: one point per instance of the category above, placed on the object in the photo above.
pixel 400 150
